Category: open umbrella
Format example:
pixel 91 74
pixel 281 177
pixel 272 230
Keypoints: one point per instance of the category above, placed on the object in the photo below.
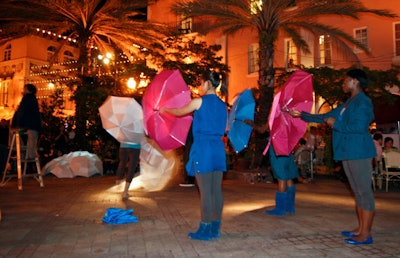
pixel 286 131
pixel 242 109
pixel 122 117
pixel 167 89
pixel 78 163
pixel 58 167
pixel 83 163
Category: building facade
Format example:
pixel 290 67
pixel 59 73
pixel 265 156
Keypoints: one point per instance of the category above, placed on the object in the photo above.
pixel 240 51
pixel 27 60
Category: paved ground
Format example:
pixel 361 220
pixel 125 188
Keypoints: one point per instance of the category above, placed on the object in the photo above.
pixel 63 219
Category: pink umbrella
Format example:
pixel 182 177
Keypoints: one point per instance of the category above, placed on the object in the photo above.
pixel 167 89
pixel 286 131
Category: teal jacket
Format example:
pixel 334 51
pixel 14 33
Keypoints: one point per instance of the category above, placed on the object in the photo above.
pixel 350 132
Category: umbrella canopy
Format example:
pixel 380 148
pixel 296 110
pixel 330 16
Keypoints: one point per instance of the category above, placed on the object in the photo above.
pixel 58 167
pixel 85 164
pixel 242 109
pixel 167 89
pixel 286 131
pixel 78 163
pixel 122 117
pixel 156 166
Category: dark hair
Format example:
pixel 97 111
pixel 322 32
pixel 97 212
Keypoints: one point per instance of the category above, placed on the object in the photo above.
pixel 378 136
pixel 360 75
pixel 31 88
pixel 388 139
pixel 216 80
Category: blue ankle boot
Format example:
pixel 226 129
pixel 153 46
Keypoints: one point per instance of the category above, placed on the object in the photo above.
pixel 280 204
pixel 203 233
pixel 291 192
pixel 215 229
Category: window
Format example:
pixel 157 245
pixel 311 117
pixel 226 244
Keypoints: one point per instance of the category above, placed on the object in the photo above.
pixel 290 54
pixel 325 50
pixel 7 53
pixel 253 59
pixel 4 93
pixel 361 35
pixel 185 26
pixel 68 56
pixel 397 39
pixel 50 53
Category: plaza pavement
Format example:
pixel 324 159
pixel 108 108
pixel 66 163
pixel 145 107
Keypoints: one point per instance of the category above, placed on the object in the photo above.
pixel 64 219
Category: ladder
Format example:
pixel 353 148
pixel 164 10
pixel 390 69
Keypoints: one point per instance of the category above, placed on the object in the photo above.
pixel 16 147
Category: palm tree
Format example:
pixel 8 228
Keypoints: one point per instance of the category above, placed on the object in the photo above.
pixel 103 25
pixel 272 17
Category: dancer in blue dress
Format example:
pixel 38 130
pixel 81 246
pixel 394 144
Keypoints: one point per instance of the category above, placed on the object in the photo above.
pixel 207 159
pixel 285 170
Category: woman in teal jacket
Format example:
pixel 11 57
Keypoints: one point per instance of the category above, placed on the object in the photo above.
pixel 353 145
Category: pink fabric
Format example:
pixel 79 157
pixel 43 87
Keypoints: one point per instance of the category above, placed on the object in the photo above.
pixel 168 89
pixel 285 130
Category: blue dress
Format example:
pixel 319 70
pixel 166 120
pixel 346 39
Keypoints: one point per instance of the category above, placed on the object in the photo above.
pixel 207 153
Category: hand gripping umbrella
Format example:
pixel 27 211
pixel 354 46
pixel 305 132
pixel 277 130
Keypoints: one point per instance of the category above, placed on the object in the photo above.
pixel 286 131
pixel 242 109
pixel 122 117
pixel 167 89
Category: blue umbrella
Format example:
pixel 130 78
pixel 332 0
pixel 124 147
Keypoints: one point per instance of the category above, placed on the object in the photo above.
pixel 242 109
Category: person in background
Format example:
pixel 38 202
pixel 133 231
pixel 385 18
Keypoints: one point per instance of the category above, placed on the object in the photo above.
pixel 4 136
pixel 189 181
pixel 61 140
pixel 27 117
pixel 312 143
pixel 207 158
pixel 388 144
pixel 378 140
pixel 110 163
pixel 299 157
pixel 127 152
pixel 353 145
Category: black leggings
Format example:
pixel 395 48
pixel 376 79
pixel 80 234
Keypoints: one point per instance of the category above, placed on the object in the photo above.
pixel 211 199
pixel 125 155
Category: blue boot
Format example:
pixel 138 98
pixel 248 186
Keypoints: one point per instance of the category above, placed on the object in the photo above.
pixel 280 204
pixel 291 192
pixel 215 229
pixel 203 233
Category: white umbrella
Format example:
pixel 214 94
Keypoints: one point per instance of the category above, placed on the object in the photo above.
pixel 156 166
pixel 78 163
pixel 58 167
pixel 83 163
pixel 122 117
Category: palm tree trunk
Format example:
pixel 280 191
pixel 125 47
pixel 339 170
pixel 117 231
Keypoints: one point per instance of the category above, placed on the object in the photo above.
pixel 266 86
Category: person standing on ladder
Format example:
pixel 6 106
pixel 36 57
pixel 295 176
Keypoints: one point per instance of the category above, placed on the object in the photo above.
pixel 27 117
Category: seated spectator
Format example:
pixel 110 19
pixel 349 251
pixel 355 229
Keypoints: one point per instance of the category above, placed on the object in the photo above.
pixel 378 140
pixel 301 162
pixel 388 144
